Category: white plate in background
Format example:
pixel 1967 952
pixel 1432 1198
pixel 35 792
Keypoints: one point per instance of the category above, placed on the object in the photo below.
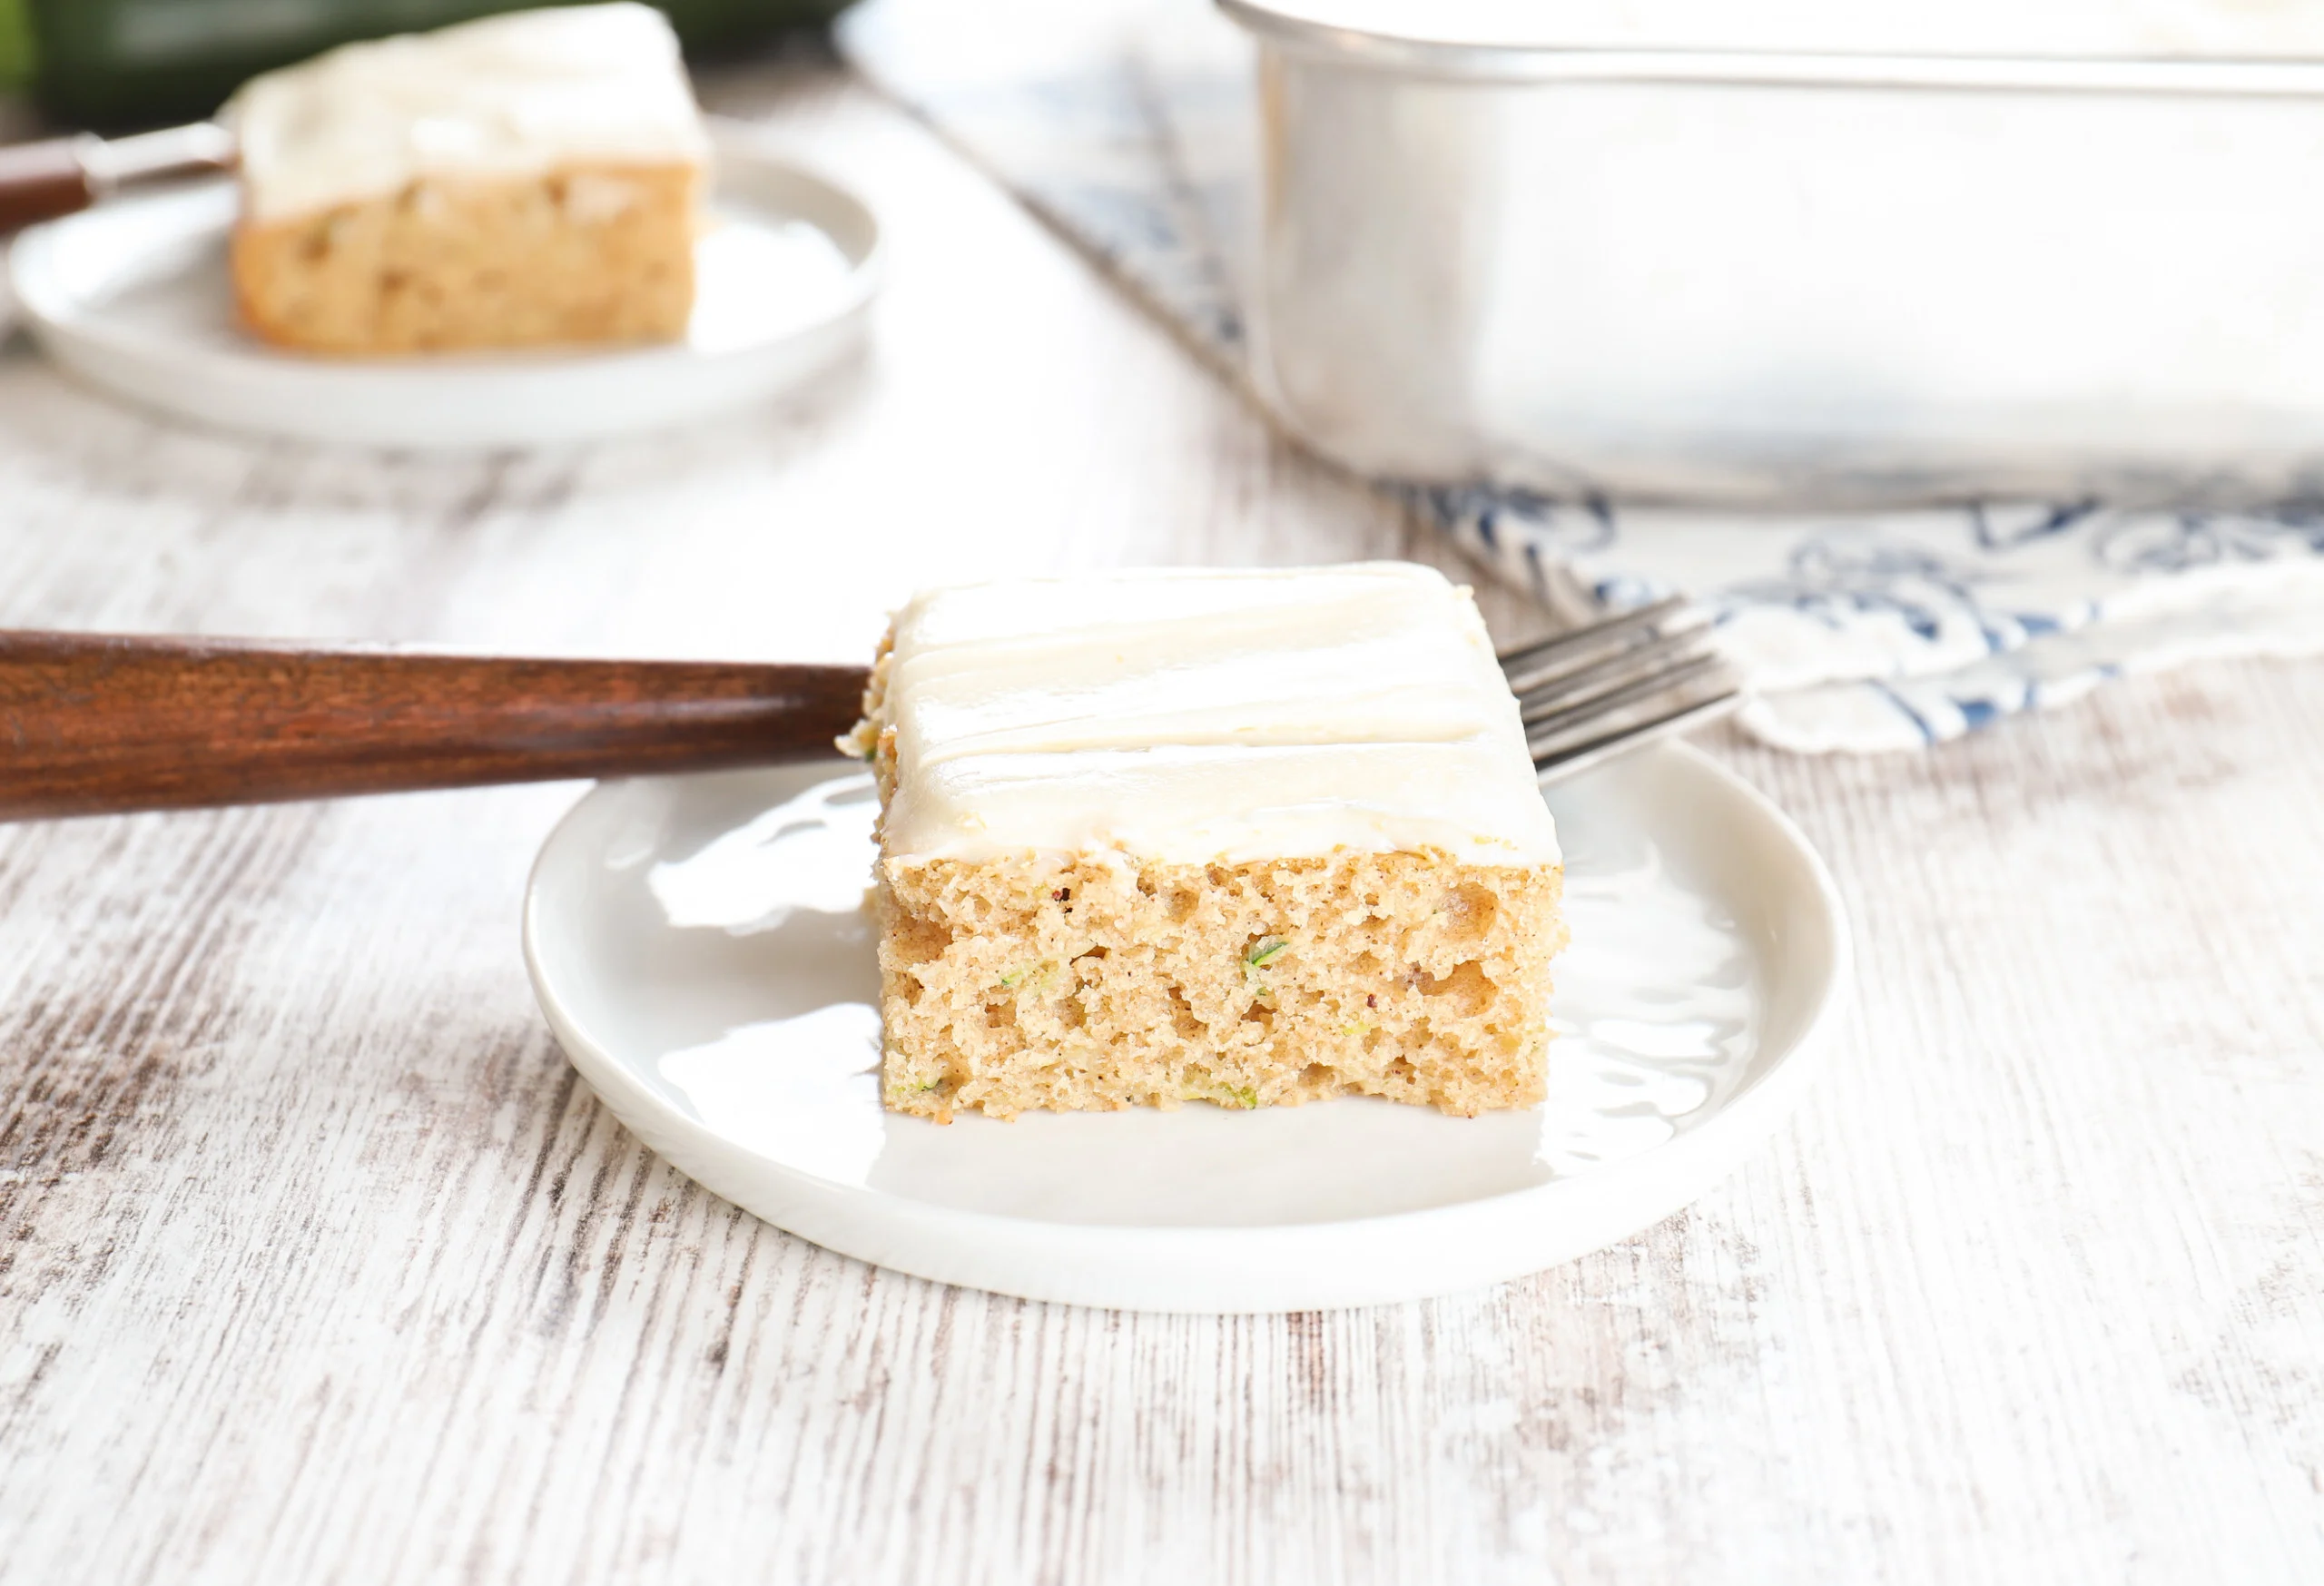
pixel 133 297
pixel 699 946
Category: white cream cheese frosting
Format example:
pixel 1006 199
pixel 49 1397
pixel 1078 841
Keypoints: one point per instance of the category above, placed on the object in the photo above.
pixel 505 97
pixel 1188 716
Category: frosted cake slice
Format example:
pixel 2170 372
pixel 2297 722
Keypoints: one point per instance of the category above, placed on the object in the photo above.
pixel 1250 837
pixel 526 178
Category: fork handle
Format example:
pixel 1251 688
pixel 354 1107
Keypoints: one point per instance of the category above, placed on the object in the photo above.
pixel 55 176
pixel 39 181
pixel 91 723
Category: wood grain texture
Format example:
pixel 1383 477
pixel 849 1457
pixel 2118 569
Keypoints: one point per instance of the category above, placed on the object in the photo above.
pixel 96 724
pixel 316 1264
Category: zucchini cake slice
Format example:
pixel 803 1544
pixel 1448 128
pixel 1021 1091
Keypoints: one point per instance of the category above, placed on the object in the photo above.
pixel 517 181
pixel 1247 837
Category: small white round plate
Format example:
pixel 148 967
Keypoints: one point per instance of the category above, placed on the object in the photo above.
pixel 700 947
pixel 133 298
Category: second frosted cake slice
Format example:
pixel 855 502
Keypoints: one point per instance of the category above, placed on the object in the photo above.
pixel 519 180
pixel 1243 837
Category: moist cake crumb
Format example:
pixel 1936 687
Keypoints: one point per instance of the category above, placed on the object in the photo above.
pixel 1246 838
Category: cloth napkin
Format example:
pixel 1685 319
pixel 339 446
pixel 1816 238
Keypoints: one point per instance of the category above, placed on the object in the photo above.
pixel 1127 125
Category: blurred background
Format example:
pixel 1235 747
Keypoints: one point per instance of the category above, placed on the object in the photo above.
pixel 115 64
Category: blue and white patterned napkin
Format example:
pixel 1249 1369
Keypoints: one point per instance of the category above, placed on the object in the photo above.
pixel 1126 124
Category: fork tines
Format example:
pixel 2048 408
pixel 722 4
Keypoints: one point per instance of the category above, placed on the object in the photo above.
pixel 1595 692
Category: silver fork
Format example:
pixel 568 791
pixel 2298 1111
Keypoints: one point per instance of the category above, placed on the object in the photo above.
pixel 1616 682
pixel 93 723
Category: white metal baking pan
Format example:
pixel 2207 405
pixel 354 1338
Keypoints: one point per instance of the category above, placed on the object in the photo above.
pixel 1812 277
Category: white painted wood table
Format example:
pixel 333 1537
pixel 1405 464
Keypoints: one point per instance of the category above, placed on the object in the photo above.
pixel 316 1264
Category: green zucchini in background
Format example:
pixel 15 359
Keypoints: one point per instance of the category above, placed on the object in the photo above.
pixel 109 64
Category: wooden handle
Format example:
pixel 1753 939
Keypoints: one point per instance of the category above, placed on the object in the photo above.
pixel 93 723
pixel 39 181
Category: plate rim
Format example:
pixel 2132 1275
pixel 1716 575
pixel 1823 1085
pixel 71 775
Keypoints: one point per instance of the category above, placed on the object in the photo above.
pixel 69 335
pixel 1692 1159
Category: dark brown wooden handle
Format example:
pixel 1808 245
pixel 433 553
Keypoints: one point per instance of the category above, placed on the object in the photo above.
pixel 39 181
pixel 93 722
